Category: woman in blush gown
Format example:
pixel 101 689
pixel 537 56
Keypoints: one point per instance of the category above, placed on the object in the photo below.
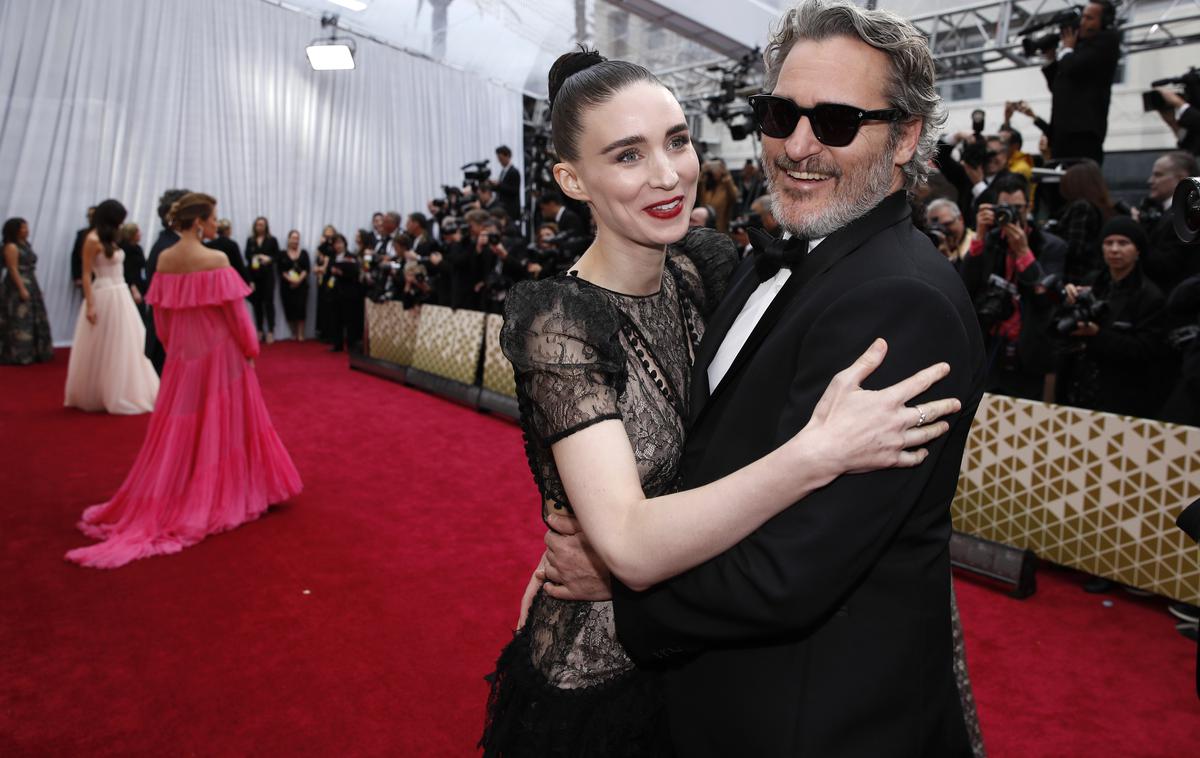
pixel 211 459
pixel 108 370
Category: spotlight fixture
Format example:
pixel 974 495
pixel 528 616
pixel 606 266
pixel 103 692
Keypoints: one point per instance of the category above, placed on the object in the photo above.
pixel 354 5
pixel 332 53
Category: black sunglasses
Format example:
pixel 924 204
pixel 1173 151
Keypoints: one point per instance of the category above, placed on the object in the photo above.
pixel 833 124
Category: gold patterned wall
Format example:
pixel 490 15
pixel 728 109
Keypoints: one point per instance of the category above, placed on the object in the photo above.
pixel 1094 491
pixel 497 371
pixel 448 342
pixel 392 332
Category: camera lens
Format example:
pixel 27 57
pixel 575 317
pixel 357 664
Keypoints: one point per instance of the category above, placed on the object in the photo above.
pixel 1186 209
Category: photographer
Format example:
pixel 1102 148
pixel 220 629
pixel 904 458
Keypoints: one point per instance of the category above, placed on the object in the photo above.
pixel 416 226
pixel 762 208
pixel 554 252
pixel 1183 322
pixel 1182 113
pixel 1116 361
pixel 1168 261
pixel 1088 207
pixel 949 231
pixel 498 266
pixel 1003 274
pixel 552 209
pixel 1080 77
pixel 508 182
pixel 982 161
pixel 450 270
pixel 415 290
pixel 718 191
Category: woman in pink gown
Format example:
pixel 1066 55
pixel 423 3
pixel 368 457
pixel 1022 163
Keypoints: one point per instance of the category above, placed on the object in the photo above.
pixel 211 459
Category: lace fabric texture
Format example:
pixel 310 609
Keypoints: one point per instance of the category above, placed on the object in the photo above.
pixel 583 354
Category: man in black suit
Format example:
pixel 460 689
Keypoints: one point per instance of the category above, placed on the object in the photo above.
pixel 77 250
pixel 1080 76
pixel 553 210
pixel 154 349
pixel 508 183
pixel 1169 260
pixel 827 632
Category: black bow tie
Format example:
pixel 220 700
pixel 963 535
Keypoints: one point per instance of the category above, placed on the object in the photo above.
pixel 771 254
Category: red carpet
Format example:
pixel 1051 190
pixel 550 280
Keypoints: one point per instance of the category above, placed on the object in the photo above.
pixel 359 619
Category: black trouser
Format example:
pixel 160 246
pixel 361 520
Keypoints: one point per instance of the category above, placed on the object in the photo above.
pixel 1078 145
pixel 263 298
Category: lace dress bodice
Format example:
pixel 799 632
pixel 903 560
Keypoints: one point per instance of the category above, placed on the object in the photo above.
pixel 583 354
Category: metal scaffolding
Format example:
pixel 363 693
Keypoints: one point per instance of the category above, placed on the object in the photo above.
pixel 973 40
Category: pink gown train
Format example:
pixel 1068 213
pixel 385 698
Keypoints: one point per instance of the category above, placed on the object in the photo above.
pixel 211 459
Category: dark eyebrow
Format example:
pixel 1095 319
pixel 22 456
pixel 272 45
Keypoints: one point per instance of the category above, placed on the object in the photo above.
pixel 637 139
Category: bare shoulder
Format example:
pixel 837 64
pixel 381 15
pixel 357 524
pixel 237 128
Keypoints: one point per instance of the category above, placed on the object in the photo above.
pixel 181 258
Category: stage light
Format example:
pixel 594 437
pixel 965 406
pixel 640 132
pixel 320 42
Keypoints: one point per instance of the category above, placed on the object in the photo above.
pixel 331 55
pixel 354 5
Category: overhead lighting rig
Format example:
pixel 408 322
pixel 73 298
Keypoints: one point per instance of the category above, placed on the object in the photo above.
pixel 332 53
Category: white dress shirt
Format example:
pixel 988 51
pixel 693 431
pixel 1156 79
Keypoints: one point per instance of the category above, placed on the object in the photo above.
pixel 743 325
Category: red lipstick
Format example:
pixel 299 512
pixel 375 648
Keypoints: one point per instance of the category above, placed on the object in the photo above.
pixel 657 211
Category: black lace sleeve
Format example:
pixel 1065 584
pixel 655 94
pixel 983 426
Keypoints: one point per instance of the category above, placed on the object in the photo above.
pixel 706 259
pixel 561 337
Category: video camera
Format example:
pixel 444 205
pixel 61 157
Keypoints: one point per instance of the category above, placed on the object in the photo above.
pixel 1067 19
pixel 1190 82
pixel 1185 209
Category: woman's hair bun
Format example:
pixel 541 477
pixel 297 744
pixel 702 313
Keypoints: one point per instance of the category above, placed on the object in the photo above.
pixel 569 64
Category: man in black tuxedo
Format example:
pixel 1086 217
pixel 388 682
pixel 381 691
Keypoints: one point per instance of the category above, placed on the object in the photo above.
pixel 828 631
pixel 1080 76
pixel 1169 260
pixel 553 210
pixel 508 183
pixel 77 250
pixel 154 348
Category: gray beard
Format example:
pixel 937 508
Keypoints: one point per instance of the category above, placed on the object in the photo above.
pixel 852 201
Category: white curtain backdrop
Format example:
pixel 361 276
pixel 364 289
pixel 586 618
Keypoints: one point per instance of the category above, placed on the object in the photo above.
pixel 127 98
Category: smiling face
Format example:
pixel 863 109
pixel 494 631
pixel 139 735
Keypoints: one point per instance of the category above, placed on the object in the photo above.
pixel 818 189
pixel 636 167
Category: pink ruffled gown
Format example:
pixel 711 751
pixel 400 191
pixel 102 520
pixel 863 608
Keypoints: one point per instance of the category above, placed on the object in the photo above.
pixel 211 459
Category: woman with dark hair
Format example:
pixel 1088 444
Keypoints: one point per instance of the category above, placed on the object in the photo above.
pixel 262 252
pixel 294 268
pixel 1088 207
pixel 211 459
pixel 348 293
pixel 24 326
pixel 321 273
pixel 108 369
pixel 602 356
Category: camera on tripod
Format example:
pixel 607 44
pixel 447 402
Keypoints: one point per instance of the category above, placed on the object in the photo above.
pixel 474 173
pixel 1031 45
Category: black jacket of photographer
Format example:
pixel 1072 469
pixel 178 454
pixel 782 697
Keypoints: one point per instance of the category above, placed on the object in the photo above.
pixel 499 274
pixel 1124 367
pixel 1081 86
pixel 1169 260
pixel 1183 322
pixel 988 256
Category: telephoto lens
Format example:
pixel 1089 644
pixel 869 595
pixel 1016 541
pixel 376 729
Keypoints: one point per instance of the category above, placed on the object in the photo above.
pixel 1186 209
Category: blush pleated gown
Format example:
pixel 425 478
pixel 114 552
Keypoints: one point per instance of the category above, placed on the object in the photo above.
pixel 211 459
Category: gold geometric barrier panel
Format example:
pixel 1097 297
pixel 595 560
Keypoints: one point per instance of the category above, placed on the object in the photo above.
pixel 392 331
pixel 497 371
pixel 448 343
pixel 1094 491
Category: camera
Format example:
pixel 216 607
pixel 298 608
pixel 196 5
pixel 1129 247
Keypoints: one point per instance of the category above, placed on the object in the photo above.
pixel 1087 308
pixel 745 222
pixel 475 172
pixel 995 304
pixel 937 233
pixel 1185 209
pixel 975 152
pixel 1006 214
pixel 493 238
pixel 1067 19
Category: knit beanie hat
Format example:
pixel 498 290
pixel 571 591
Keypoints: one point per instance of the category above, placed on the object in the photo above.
pixel 1127 227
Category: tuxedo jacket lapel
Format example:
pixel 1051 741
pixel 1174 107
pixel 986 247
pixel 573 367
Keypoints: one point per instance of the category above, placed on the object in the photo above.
pixel 745 281
pixel 836 246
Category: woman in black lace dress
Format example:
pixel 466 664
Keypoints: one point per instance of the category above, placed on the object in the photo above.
pixel 602 357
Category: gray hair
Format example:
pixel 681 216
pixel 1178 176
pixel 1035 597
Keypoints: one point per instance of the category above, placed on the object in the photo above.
pixel 941 203
pixel 911 86
pixel 1182 162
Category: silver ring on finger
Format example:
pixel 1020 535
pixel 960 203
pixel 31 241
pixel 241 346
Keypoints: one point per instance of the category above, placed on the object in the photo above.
pixel 922 418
